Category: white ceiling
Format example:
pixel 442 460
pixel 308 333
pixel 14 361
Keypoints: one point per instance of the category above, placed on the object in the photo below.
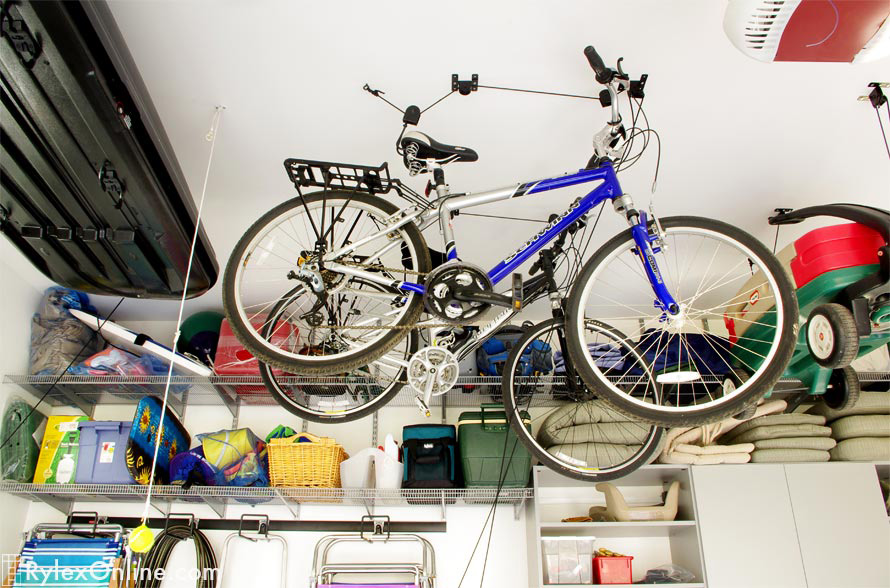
pixel 739 137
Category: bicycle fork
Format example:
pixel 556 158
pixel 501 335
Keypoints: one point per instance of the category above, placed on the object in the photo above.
pixel 647 245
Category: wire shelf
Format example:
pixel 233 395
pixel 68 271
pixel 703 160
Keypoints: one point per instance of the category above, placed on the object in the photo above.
pixel 240 495
pixel 86 392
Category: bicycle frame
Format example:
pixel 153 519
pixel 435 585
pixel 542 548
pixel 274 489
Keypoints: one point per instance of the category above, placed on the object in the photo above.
pixel 609 189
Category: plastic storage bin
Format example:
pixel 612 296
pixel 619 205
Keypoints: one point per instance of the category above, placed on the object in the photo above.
pixel 103 453
pixel 481 437
pixel 835 247
pixel 568 560
pixel 613 570
pixel 232 359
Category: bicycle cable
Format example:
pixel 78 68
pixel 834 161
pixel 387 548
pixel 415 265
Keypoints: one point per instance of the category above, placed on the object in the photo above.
pixel 881 124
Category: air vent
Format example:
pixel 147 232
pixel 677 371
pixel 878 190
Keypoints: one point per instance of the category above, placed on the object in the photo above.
pixel 755 26
pixel 810 30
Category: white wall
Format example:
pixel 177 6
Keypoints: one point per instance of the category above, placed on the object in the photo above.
pixel 19 299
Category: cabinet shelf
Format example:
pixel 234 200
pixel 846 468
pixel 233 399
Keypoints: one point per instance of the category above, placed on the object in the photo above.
pixel 618 524
pixel 616 530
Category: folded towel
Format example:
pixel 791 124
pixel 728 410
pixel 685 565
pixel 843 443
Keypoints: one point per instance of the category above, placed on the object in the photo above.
pixel 820 443
pixel 715 449
pixel 680 457
pixel 868 403
pixel 695 445
pixel 779 431
pixel 788 455
pixel 706 434
pixel 862 449
pixel 795 418
pixel 872 425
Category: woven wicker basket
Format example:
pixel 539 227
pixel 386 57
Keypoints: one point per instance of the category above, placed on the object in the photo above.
pixel 305 465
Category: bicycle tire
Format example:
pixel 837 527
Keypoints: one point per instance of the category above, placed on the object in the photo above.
pixel 514 410
pixel 335 364
pixel 327 417
pixel 748 392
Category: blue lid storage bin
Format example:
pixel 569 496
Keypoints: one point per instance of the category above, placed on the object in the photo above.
pixel 103 453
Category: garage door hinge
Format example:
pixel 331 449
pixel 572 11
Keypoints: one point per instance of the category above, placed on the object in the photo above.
pixel 21 39
pixel 118 236
pixel 111 183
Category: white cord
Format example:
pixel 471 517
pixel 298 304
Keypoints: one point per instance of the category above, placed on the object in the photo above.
pixel 211 137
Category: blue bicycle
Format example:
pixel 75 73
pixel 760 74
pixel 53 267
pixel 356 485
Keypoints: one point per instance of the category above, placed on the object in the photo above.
pixel 340 283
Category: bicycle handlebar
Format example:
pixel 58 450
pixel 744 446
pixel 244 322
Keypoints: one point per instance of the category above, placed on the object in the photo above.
pixel 603 73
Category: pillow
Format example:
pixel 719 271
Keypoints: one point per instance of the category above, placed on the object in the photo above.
pixel 871 425
pixel 796 418
pixel 778 432
pixel 821 443
pixel 862 449
pixel 788 455
pixel 619 433
pixel 868 403
pixel 572 422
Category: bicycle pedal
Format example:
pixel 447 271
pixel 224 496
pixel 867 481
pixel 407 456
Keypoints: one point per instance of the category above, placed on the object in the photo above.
pixel 517 291
pixel 423 406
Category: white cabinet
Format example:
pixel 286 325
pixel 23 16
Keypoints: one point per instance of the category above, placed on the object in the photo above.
pixel 819 525
pixel 747 527
pixel 841 524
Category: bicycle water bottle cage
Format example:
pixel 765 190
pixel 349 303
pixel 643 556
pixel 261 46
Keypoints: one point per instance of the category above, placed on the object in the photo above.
pixel 419 147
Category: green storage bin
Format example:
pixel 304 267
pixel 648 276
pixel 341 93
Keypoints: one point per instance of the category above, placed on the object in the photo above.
pixel 481 436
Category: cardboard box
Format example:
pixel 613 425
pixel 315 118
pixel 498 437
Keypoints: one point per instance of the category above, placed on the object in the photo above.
pixel 57 462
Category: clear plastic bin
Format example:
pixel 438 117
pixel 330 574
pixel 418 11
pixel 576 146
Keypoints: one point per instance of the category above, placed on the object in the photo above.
pixel 568 560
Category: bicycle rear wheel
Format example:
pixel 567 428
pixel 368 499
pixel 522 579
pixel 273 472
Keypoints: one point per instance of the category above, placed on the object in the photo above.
pixel 738 319
pixel 573 432
pixel 348 325
pixel 343 397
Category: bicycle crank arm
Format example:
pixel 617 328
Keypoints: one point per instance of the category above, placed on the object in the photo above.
pixel 486 297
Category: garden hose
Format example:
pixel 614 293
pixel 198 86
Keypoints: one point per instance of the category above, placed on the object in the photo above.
pixel 159 555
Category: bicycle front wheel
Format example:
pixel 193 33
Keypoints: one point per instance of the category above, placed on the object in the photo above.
pixel 571 431
pixel 348 324
pixel 738 319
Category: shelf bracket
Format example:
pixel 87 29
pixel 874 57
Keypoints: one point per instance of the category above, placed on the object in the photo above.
pixel 442 503
pixel 230 399
pixel 375 427
pixel 218 506
pixel 294 510
pixel 518 506
pixel 164 513
pixel 63 505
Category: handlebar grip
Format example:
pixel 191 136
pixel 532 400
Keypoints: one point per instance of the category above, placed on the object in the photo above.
pixel 603 73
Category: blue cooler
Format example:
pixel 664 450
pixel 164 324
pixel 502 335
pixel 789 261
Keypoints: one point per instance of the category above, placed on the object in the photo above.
pixel 103 453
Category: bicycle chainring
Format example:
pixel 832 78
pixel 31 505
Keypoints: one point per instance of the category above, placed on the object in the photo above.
pixel 433 368
pixel 444 281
